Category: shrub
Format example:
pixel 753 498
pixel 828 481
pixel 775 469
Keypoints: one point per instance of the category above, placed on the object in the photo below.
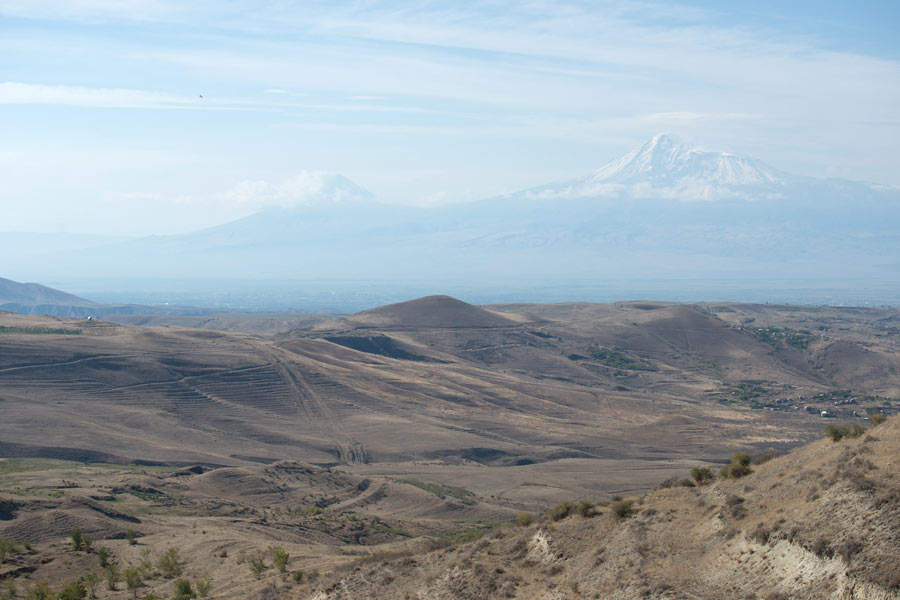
pixel 524 519
pixel 73 590
pixel 735 505
pixel 623 508
pixel 838 432
pixel 87 541
pixel 821 548
pixel 112 574
pixel 39 591
pixel 560 511
pixel 297 576
pixel 103 556
pixel 702 475
pixel 183 590
pixel 133 580
pixel 877 419
pixel 131 535
pixel 77 539
pixel 204 585
pixel 91 581
pixel 765 456
pixel 257 563
pixel 739 467
pixel 7 547
pixel 584 508
pixel 169 564
pixel 280 558
pixel 848 548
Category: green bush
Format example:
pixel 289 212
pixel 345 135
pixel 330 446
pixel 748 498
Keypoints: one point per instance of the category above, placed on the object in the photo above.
pixel 702 475
pixel 113 576
pixel 204 586
pixel 131 535
pixel 74 590
pixel 838 432
pixel 560 511
pixel 91 581
pixel 739 467
pixel 584 508
pixel 280 558
pixel 169 564
pixel 77 539
pixel 133 580
pixel 183 590
pixel 103 556
pixel 39 591
pixel 257 563
pixel 524 519
pixel 622 508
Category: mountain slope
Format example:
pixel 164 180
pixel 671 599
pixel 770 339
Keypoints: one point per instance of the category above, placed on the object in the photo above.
pixel 821 522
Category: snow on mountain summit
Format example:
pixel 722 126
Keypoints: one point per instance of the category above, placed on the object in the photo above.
pixel 665 159
pixel 667 167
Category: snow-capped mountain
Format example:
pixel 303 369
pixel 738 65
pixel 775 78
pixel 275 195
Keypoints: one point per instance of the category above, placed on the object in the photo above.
pixel 667 167
pixel 663 207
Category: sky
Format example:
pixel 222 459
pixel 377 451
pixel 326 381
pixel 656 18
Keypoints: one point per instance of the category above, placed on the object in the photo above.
pixel 137 117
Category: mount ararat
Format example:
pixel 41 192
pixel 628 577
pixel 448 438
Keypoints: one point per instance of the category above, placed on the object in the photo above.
pixel 664 210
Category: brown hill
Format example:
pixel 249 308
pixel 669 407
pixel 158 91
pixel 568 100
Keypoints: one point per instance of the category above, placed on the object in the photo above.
pixel 821 522
pixel 427 312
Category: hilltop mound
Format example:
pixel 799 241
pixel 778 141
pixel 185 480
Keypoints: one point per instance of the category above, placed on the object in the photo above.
pixel 821 522
pixel 428 312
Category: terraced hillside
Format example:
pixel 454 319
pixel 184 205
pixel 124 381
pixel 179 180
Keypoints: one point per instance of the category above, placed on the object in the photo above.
pixel 545 391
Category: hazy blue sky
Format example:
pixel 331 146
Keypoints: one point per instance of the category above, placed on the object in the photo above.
pixel 102 127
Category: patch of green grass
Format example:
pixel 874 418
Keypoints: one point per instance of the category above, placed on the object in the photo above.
pixel 391 531
pixel 442 491
pixel 613 357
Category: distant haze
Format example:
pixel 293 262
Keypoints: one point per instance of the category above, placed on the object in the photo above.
pixel 667 220
pixel 164 117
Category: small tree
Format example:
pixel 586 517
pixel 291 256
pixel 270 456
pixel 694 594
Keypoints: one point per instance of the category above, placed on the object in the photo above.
pixel 524 519
pixel 739 467
pixel 39 591
pixel 77 539
pixel 131 535
pixel 183 590
pixel 91 581
pixel 257 563
pixel 145 564
pixel 280 558
pixel 103 556
pixel 74 590
pixel 204 585
pixel 87 541
pixel 133 581
pixel 170 564
pixel 623 508
pixel 701 475
pixel 113 575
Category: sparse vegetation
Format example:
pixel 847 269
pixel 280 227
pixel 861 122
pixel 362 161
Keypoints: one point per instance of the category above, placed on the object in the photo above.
pixel 622 509
pixel 560 511
pixel 73 590
pixel 103 556
pixel 257 563
pixel 169 564
pixel 280 558
pixel 113 575
pixel 739 466
pixel 702 475
pixel 133 580
pixel 877 419
pixel 77 539
pixel 183 590
pixel 7 548
pixel 204 586
pixel 443 491
pixel 39 590
pixel 131 536
pixel 839 432
pixel 584 508
pixel 524 519
pixel 91 581
pixel 614 357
